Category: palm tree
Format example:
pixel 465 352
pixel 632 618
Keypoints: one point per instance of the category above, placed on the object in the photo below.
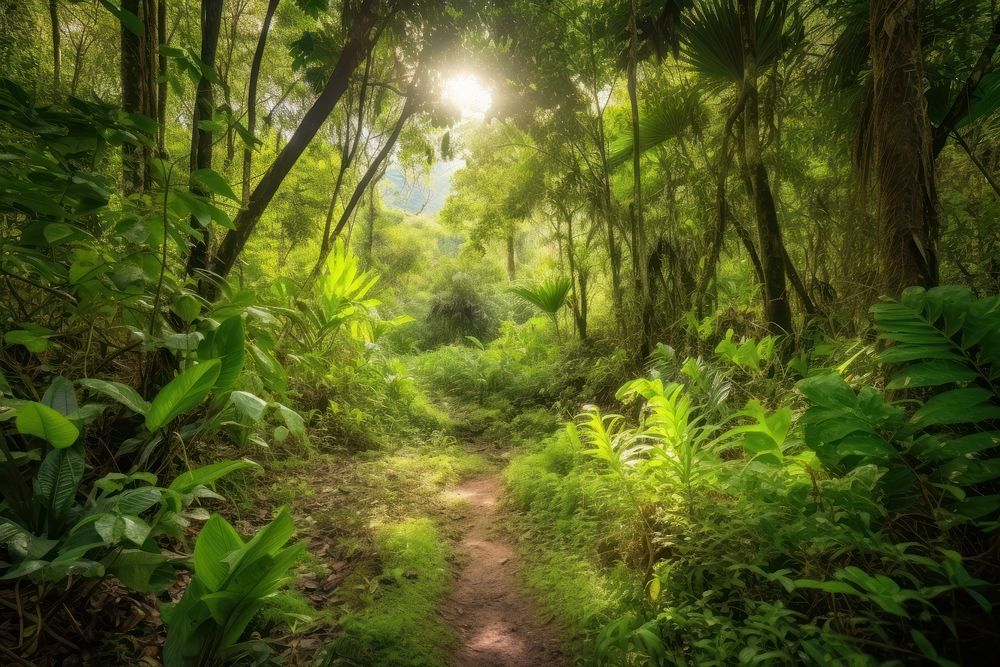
pixel 731 43
pixel 548 296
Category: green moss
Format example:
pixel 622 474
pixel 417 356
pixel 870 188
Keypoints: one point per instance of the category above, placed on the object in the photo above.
pixel 399 625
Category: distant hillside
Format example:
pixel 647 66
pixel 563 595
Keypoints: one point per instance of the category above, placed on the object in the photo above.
pixel 426 195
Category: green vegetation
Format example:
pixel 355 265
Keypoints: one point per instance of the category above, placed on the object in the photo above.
pixel 399 626
pixel 711 285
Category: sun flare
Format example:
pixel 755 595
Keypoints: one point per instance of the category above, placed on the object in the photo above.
pixel 467 94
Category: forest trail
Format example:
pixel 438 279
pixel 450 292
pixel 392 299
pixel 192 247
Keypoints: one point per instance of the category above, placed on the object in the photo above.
pixel 497 625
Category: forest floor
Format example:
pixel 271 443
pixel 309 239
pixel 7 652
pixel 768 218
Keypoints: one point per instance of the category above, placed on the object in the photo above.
pixel 412 562
pixel 496 623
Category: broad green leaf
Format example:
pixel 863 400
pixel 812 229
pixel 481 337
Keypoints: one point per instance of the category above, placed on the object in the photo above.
pixel 137 569
pixel 932 373
pixel 227 344
pixel 182 394
pixel 186 482
pixel 216 541
pixel 958 406
pixel 43 422
pixel 828 390
pixel 122 393
pixel 249 405
pixel 33 341
pixel 187 307
pixel 293 420
pixel 214 182
pixel 58 477
pixel 61 397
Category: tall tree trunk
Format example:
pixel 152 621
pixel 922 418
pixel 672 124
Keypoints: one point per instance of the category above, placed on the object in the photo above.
pixel 161 92
pixel 139 60
pixel 258 58
pixel 56 38
pixel 348 153
pixel 643 294
pixel 356 48
pixel 777 309
pixel 201 139
pixel 511 265
pixel 369 249
pixel 721 207
pixel 578 280
pixel 906 197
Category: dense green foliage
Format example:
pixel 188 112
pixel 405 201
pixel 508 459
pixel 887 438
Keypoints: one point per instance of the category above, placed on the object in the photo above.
pixel 713 281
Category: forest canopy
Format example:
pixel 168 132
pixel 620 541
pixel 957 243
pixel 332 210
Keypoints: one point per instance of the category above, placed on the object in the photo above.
pixel 482 332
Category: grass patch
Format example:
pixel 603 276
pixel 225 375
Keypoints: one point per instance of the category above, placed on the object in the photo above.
pixel 561 518
pixel 583 596
pixel 398 624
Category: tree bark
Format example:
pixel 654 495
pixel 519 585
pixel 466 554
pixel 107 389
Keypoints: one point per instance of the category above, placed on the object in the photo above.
pixel 511 265
pixel 348 153
pixel 777 309
pixel 201 139
pixel 640 280
pixel 138 79
pixel 906 198
pixel 357 47
pixel 56 38
pixel 579 281
pixel 258 58
pixel 161 92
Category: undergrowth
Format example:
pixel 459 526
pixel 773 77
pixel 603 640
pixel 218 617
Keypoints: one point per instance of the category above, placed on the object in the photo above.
pixel 398 624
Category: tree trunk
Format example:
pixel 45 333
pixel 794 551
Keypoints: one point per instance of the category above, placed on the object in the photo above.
pixel 777 309
pixel 139 60
pixel 56 37
pixel 258 58
pixel 357 47
pixel 511 266
pixel 409 108
pixel 201 139
pixel 906 198
pixel 640 280
pixel 579 281
pixel 369 250
pixel 348 153
pixel 161 92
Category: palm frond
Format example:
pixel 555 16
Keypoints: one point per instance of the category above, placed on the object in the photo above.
pixel 713 43
pixel 658 125
pixel 549 296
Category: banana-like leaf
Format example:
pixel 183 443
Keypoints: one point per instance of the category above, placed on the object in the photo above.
pixel 182 393
pixel 227 344
pixel 122 393
pixel 57 480
pixel 43 422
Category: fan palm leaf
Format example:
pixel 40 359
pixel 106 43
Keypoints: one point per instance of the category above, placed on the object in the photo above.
pixel 713 44
pixel 658 125
pixel 548 296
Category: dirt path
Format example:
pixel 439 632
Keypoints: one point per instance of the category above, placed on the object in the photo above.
pixel 497 625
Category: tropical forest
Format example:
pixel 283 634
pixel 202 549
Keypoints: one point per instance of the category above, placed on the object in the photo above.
pixel 499 333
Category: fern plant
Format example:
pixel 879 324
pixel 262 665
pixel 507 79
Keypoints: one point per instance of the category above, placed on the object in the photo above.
pixel 935 453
